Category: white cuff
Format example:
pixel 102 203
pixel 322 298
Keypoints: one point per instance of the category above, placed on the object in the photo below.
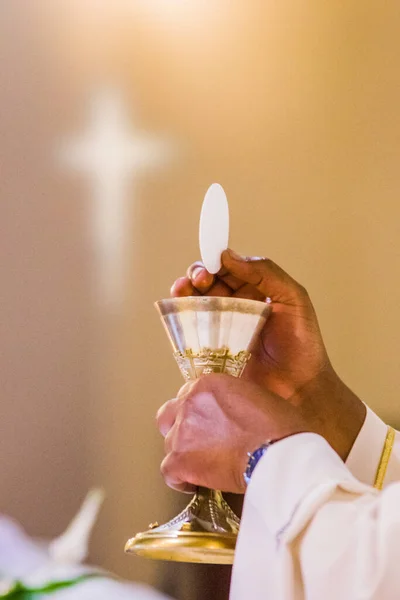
pixel 365 454
pixel 293 478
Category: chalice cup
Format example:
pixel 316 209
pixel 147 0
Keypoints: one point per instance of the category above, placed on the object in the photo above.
pixel 208 335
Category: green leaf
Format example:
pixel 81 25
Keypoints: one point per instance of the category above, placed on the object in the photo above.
pixel 20 592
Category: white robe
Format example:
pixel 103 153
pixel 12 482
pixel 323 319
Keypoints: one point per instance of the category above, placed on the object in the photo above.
pixel 314 528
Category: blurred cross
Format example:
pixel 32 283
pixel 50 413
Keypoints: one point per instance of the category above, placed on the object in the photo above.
pixel 112 156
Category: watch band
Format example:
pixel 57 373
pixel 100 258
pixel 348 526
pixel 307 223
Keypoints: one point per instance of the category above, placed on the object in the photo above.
pixel 254 458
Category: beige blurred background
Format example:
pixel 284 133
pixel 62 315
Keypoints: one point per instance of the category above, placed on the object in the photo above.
pixel 294 109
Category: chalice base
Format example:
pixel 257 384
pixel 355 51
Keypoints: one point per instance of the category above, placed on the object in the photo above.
pixel 204 532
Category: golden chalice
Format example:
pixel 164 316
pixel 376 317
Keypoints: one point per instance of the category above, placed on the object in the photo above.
pixel 208 335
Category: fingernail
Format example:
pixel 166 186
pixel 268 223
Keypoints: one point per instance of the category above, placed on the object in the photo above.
pixel 195 272
pixel 235 256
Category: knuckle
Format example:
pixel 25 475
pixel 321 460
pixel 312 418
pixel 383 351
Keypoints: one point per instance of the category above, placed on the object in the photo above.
pixel 165 417
pixel 264 260
pixel 261 262
pixel 178 286
pixel 302 292
pixel 165 467
pixel 186 389
pixel 170 467
pixel 185 411
pixel 197 385
pixel 189 391
pixel 213 378
pixel 168 441
pixel 301 289
pixel 179 438
pixel 206 383
pixel 160 413
pixel 182 435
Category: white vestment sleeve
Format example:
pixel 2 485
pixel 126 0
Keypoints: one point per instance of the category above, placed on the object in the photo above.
pixel 365 455
pixel 311 531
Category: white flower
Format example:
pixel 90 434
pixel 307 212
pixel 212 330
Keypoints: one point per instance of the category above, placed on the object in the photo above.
pixel 36 564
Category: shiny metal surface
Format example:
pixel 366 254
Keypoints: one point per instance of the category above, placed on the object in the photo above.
pixel 204 532
pixel 208 334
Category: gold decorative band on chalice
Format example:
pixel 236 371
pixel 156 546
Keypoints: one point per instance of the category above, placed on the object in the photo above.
pixel 206 361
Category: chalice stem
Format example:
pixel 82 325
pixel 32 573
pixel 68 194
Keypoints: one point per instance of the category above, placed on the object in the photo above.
pixel 213 512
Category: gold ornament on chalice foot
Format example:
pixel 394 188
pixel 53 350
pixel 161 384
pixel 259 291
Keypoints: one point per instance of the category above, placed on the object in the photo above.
pixel 208 335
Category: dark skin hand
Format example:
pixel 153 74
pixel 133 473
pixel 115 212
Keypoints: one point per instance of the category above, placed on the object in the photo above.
pixel 290 359
pixel 214 422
